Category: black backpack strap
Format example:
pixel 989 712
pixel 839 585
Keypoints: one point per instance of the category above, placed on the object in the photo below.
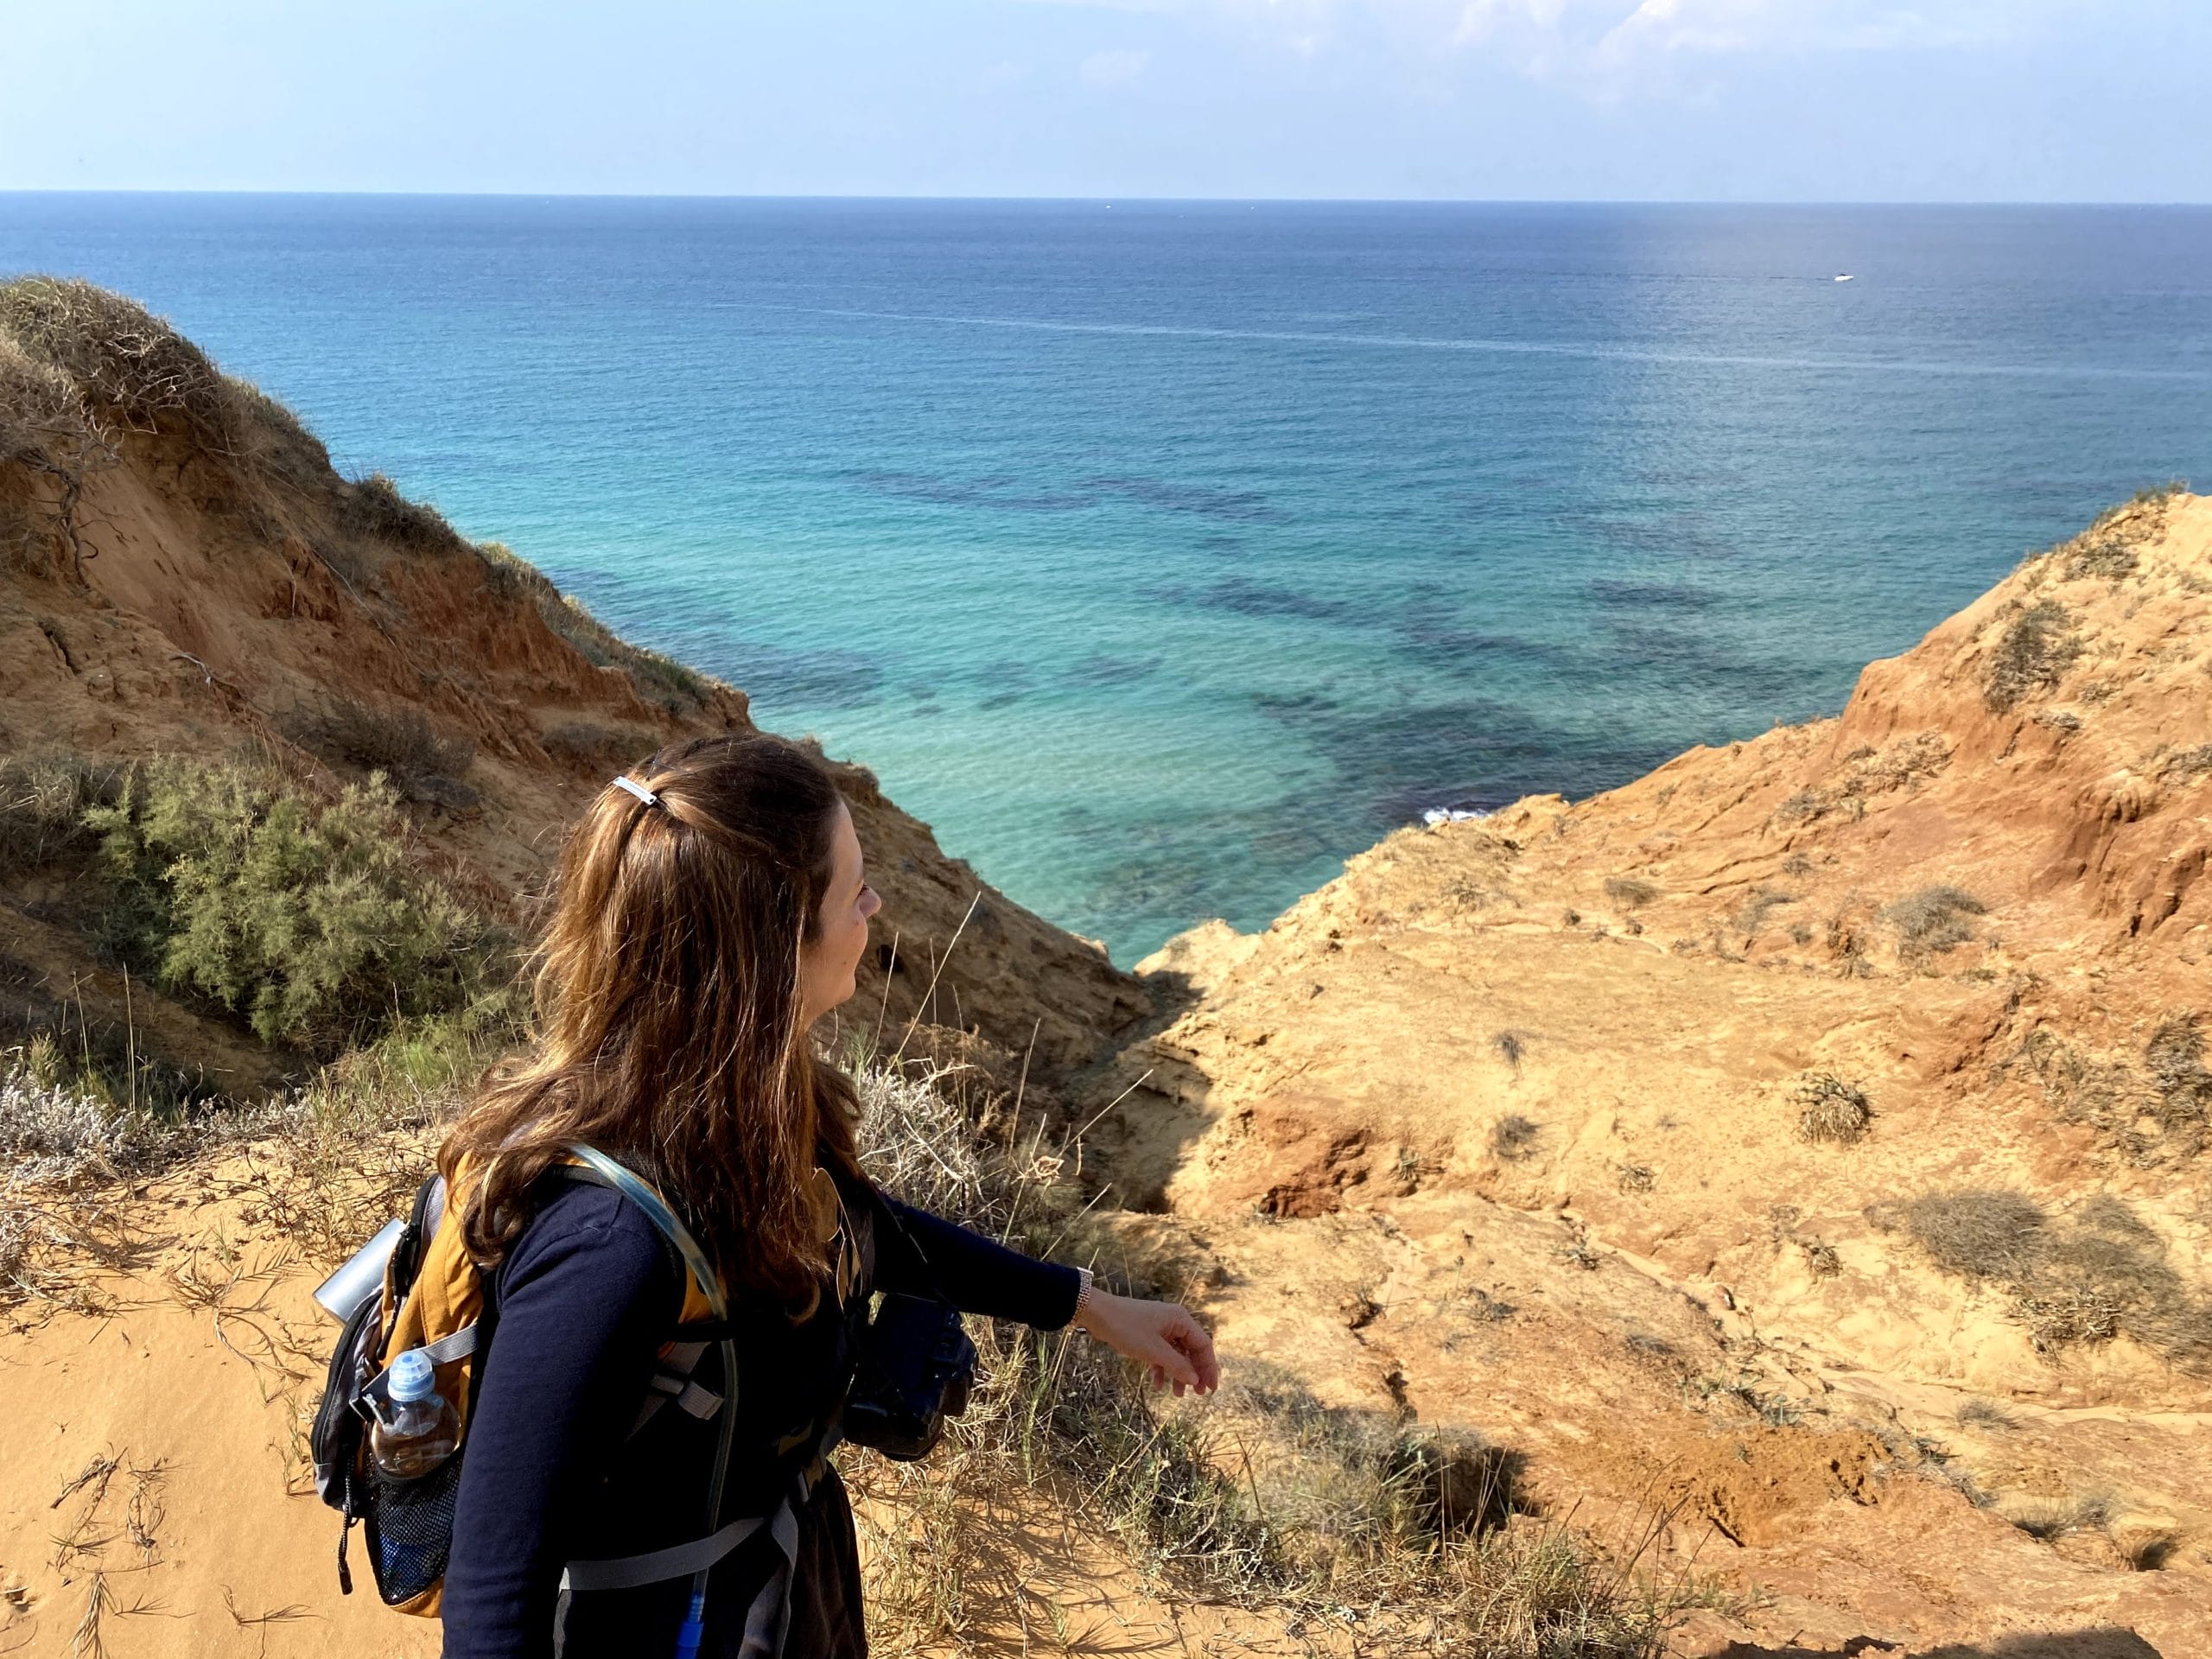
pixel 671 1380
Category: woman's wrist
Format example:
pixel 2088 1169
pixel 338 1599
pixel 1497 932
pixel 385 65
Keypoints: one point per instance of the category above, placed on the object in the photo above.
pixel 1084 1302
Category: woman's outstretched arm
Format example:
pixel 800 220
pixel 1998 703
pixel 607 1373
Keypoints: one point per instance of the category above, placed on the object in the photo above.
pixel 926 1255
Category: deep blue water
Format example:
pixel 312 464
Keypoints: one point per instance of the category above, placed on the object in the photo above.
pixel 1161 555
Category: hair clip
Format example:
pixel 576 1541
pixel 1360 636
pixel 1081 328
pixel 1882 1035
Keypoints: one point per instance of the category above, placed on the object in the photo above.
pixel 638 790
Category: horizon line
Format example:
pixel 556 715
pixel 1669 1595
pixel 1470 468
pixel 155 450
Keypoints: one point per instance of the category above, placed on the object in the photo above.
pixel 1102 198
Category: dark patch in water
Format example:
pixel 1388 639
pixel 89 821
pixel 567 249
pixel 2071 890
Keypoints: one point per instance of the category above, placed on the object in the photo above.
pixel 1677 532
pixel 1009 494
pixel 1004 494
pixel 1099 668
pixel 1248 506
pixel 1241 596
pixel 1430 640
pixel 1691 661
pixel 1625 594
pixel 1000 700
pixel 1472 752
pixel 815 679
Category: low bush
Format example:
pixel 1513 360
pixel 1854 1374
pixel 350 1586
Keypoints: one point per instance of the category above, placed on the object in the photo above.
pixel 2033 653
pixel 1630 892
pixel 1933 919
pixel 1830 1109
pixel 400 743
pixel 373 507
pixel 2084 1278
pixel 307 917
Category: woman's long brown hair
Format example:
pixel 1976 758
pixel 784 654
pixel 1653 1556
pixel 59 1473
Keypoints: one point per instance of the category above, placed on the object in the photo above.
pixel 667 1005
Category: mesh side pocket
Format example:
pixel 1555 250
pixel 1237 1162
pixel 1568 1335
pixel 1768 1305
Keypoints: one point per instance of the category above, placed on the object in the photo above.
pixel 410 1528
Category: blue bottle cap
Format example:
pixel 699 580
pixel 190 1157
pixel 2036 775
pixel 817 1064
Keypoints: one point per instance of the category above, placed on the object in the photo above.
pixel 411 1377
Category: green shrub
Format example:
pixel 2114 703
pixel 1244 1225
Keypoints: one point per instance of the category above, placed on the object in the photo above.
pixel 307 917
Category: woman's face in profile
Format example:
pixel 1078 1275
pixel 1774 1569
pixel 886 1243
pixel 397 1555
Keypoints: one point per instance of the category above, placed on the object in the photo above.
pixel 828 962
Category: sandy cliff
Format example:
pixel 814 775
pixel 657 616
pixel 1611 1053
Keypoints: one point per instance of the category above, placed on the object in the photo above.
pixel 1813 1131
pixel 1804 1143
pixel 184 573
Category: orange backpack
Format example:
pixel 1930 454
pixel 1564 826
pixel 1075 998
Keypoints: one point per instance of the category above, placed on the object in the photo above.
pixel 432 1298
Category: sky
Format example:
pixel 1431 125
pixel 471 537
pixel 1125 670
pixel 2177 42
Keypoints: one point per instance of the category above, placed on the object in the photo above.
pixel 1796 100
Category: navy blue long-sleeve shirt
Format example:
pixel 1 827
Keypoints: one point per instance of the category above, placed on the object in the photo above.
pixel 584 1302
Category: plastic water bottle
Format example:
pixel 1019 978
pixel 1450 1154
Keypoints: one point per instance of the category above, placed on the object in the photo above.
pixel 421 1430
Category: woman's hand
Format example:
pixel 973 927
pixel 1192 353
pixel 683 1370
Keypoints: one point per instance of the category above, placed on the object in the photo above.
pixel 1160 1336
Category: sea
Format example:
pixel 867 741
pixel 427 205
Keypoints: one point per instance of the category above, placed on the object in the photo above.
pixel 1161 555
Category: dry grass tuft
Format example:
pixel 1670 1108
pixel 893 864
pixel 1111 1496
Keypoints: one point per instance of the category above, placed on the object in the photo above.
pixel 1263 1496
pixel 2032 654
pixel 1932 919
pixel 401 743
pixel 1984 1413
pixel 1513 1137
pixel 1630 892
pixel 1830 1109
pixel 2088 1277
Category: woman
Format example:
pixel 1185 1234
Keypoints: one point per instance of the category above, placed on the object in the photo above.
pixel 710 910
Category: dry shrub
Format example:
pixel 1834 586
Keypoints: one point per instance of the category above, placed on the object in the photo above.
pixel 1513 1137
pixel 1264 1495
pixel 585 743
pixel 43 800
pixel 129 366
pixel 1980 1233
pixel 2159 1114
pixel 2084 1278
pixel 1933 919
pixel 1805 804
pixel 401 743
pixel 1757 903
pixel 1630 892
pixel 659 680
pixel 2184 765
pixel 373 509
pixel 1830 1109
pixel 1979 1412
pixel 2103 555
pixel 2033 653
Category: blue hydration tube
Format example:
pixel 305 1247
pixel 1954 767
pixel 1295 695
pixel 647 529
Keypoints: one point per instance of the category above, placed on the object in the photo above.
pixel 657 1211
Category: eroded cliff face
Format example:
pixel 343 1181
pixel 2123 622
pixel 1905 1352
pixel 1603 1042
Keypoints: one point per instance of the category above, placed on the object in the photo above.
pixel 197 580
pixel 1519 1126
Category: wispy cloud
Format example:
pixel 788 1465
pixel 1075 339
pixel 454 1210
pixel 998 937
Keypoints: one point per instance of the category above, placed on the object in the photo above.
pixel 1117 68
pixel 1617 47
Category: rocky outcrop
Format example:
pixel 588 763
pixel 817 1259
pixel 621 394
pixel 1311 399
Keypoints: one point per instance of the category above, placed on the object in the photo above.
pixel 1844 1081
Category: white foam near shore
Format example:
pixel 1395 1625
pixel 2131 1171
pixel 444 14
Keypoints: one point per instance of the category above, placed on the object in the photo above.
pixel 1436 815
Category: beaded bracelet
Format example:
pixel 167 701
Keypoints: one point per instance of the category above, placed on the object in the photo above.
pixel 1081 1297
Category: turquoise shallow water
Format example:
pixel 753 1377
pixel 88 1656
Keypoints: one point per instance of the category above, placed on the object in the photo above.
pixel 1162 555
